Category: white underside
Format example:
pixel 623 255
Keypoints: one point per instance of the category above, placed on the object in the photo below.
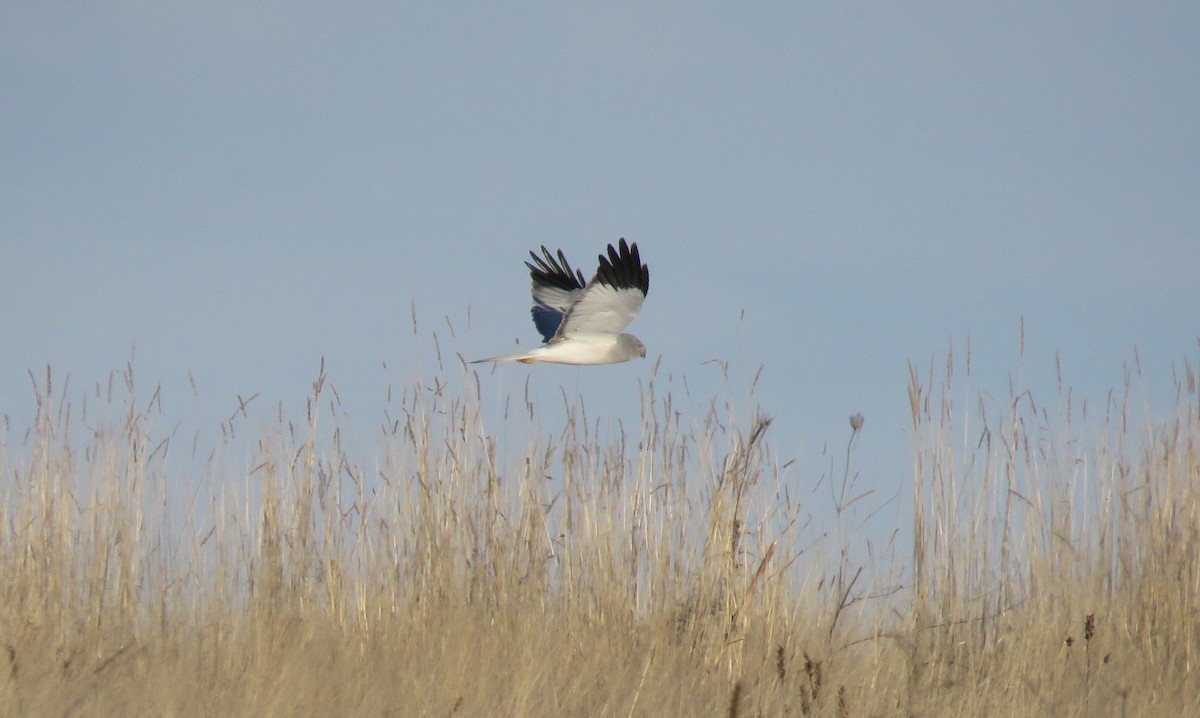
pixel 580 349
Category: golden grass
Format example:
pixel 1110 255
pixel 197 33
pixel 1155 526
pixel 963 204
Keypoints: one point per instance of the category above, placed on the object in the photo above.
pixel 656 572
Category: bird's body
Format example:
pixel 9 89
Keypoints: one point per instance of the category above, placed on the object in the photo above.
pixel 581 349
pixel 581 322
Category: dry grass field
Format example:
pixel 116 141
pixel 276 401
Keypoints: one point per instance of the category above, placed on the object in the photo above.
pixel 662 571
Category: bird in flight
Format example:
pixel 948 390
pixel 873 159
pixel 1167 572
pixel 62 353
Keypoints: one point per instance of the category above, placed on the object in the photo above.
pixel 580 322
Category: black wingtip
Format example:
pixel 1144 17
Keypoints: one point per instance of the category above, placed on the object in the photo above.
pixel 623 268
pixel 555 271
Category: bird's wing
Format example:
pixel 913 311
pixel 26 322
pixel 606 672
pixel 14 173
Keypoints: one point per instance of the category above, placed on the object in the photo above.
pixel 613 298
pixel 556 287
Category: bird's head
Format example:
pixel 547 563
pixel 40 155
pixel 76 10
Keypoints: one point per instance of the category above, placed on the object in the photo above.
pixel 632 346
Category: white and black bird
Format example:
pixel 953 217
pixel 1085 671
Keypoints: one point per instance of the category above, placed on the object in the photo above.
pixel 580 322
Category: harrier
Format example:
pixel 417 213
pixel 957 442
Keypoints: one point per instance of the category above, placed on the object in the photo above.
pixel 580 322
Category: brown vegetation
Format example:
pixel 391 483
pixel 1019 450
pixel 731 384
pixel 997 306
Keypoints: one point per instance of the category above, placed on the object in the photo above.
pixel 662 572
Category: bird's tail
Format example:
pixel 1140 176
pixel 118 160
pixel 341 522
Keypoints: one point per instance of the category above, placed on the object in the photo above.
pixel 525 357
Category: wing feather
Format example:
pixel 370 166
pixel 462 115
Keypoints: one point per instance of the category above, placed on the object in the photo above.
pixel 608 303
pixel 556 287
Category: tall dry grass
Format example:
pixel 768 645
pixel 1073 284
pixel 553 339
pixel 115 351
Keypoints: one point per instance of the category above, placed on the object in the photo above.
pixel 666 568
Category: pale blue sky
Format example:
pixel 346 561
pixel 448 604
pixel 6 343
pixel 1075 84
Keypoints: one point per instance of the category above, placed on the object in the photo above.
pixel 242 191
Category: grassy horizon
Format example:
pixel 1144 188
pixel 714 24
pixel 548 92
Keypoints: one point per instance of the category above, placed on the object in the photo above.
pixel 659 569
